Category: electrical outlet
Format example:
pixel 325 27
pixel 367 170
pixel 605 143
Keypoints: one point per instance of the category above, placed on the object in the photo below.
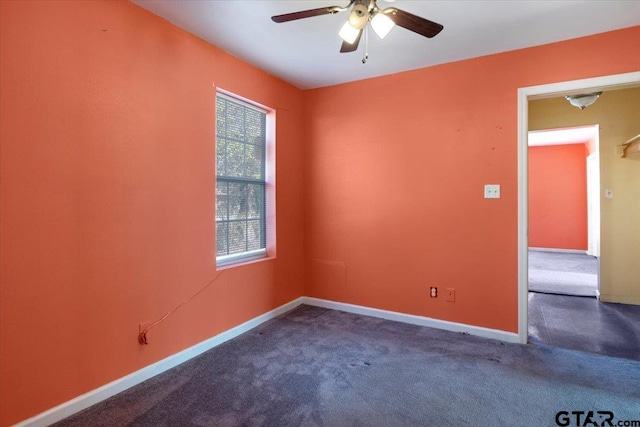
pixel 492 191
pixel 451 294
pixel 433 292
pixel 142 338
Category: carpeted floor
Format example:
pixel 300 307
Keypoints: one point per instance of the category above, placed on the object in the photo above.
pixel 563 273
pixel 585 324
pixel 319 367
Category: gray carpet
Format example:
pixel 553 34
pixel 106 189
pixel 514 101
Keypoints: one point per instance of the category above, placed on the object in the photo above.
pixel 585 324
pixel 319 367
pixel 563 273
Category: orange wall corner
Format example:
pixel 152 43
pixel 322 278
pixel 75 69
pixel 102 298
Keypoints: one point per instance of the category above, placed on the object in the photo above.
pixel 399 202
pixel 107 196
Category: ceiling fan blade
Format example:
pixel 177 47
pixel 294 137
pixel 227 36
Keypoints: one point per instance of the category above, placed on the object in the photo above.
pixel 351 47
pixel 308 13
pixel 412 22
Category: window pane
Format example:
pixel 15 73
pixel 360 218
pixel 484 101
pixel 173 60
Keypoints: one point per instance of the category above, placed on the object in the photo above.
pixel 235 121
pixel 237 201
pixel 235 159
pixel 221 156
pixel 255 238
pixel 222 200
pixel 237 237
pixel 254 162
pixel 255 126
pixel 221 114
pixel 221 238
pixel 255 201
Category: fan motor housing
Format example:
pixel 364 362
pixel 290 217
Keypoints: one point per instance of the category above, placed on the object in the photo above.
pixel 359 15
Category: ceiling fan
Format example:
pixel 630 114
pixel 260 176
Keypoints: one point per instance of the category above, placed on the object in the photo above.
pixel 363 12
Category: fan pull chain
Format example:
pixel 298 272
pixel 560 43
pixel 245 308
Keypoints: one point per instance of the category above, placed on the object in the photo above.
pixel 365 56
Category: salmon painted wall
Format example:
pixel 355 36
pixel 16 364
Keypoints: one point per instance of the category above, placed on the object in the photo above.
pixel 396 167
pixel 107 197
pixel 558 196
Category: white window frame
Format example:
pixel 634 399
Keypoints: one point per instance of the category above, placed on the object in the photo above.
pixel 252 255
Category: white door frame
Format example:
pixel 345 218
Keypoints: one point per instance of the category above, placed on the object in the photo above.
pixel 574 87
pixel 593 203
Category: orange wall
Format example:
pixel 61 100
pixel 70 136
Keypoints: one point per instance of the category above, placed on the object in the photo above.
pixel 107 178
pixel 107 196
pixel 395 172
pixel 558 196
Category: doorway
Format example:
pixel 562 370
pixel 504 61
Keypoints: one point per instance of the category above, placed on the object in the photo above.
pixel 563 195
pixel 619 81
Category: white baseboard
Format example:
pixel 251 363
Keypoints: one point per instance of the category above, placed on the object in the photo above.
pixel 86 400
pixel 618 299
pixel 414 320
pixel 566 251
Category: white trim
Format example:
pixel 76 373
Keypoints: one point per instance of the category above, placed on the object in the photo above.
pixel 228 260
pixel 86 400
pixel 413 319
pixel 565 251
pixel 617 81
pixel 573 87
pixel 523 218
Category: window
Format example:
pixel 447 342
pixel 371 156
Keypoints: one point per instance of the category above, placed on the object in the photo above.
pixel 240 180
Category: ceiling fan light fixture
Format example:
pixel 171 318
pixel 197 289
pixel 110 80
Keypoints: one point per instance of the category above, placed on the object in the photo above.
pixel 584 100
pixel 361 12
pixel 348 33
pixel 359 16
pixel 382 24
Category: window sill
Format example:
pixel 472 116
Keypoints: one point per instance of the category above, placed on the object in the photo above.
pixel 230 261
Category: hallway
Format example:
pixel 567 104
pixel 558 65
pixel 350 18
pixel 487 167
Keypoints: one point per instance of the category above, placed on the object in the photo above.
pixel 563 273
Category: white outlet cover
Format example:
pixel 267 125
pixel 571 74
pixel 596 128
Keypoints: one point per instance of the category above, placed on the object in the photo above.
pixel 608 193
pixel 492 191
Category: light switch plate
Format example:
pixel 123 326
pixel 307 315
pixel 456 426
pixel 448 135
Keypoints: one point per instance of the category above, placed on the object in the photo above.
pixel 492 191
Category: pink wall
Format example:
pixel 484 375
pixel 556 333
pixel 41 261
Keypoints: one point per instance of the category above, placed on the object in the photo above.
pixel 107 187
pixel 396 167
pixel 558 196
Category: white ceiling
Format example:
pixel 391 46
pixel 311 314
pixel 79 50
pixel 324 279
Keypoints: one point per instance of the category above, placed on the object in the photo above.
pixel 306 52
pixel 574 135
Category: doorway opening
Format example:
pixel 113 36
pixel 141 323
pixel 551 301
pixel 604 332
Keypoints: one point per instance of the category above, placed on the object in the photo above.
pixel 555 90
pixel 564 210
